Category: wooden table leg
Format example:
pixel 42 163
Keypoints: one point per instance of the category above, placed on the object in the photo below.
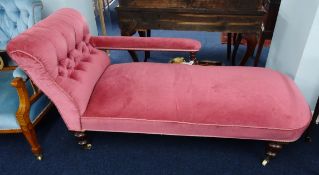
pixel 145 33
pixel 237 40
pixel 229 43
pixel 131 52
pixel 251 46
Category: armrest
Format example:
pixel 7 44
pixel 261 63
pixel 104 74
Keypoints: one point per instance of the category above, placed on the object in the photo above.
pixel 145 44
pixel 19 73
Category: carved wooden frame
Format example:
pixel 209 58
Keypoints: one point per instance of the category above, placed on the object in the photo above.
pixel 22 114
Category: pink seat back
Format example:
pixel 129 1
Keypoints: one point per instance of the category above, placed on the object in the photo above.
pixel 58 57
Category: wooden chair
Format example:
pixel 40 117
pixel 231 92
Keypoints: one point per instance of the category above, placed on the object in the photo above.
pixel 23 105
pixel 267 29
pixel 268 25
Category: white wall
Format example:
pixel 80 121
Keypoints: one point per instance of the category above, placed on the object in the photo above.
pixel 308 73
pixel 294 50
pixel 84 6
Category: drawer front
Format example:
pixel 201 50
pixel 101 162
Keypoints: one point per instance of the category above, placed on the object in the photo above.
pixel 206 4
pixel 189 21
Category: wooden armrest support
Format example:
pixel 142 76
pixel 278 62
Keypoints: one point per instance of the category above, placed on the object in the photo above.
pixel 24 103
pixel 23 115
pixel 8 68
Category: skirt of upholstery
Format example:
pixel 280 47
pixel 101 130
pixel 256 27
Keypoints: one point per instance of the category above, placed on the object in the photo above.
pixel 129 125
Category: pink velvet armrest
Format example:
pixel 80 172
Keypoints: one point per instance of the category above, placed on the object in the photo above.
pixel 145 44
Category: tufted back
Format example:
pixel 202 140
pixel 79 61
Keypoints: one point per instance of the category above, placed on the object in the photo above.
pixel 16 16
pixel 57 56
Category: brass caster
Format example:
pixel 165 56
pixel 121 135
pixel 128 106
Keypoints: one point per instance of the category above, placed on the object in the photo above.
pixel 87 146
pixel 265 162
pixel 39 157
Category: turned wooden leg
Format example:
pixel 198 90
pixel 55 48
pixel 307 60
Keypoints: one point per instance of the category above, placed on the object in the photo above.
pixel 82 140
pixel 259 50
pixel 313 122
pixel 236 46
pixel 272 149
pixel 229 37
pixel 145 33
pixel 29 134
pixel 251 45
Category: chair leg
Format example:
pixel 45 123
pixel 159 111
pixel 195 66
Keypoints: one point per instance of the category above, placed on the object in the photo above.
pixel 229 38
pixel 147 53
pixel 272 149
pixel 23 117
pixel 236 46
pixel 259 50
pixel 29 134
pixel 82 140
pixel 145 33
pixel 129 31
pixel 251 39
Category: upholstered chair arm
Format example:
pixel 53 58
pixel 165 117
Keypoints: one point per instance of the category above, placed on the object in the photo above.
pixel 145 44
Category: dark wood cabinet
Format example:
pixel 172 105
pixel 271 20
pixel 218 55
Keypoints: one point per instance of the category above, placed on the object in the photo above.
pixel 236 16
pixel 202 15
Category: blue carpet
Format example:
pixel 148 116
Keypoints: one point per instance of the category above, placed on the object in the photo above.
pixel 127 154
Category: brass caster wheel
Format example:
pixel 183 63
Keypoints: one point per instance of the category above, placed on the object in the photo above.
pixel 39 157
pixel 265 162
pixel 87 146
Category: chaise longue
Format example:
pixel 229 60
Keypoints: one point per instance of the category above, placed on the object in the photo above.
pixel 71 68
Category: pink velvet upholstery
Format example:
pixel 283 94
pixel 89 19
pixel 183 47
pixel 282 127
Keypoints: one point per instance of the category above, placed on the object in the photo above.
pixel 138 43
pixel 57 54
pixel 237 102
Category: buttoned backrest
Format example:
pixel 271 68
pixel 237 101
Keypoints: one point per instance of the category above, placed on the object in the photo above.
pixel 58 57
pixel 16 16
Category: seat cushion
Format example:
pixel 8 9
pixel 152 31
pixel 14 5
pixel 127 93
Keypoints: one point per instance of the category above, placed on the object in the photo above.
pixel 231 102
pixel 9 103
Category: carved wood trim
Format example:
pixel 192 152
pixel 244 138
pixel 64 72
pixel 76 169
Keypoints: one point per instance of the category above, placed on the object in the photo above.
pixel 22 115
pixel 8 68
